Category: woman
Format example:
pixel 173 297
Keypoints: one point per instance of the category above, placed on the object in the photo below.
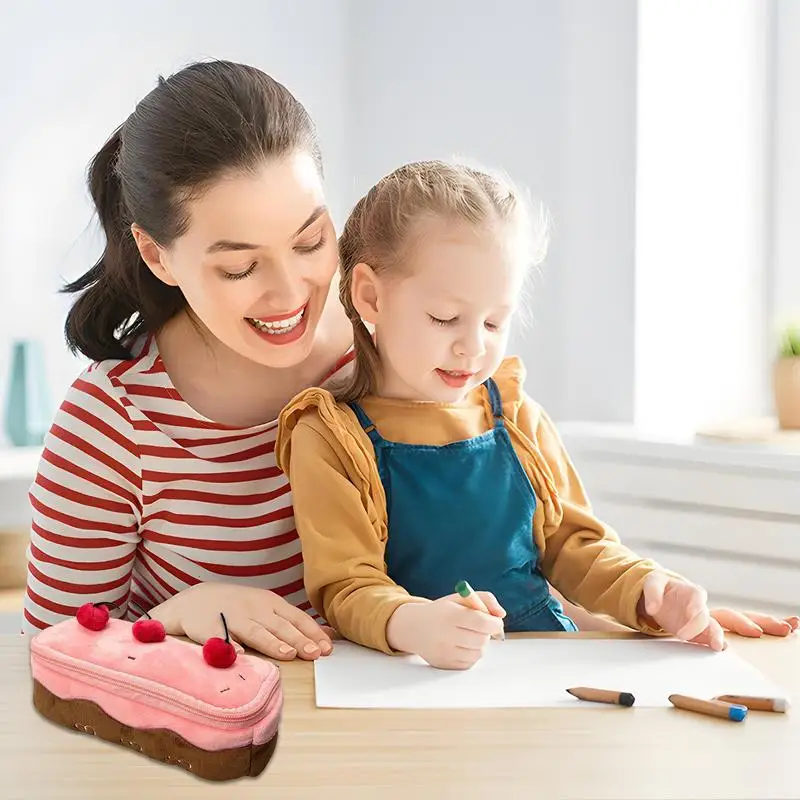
pixel 212 305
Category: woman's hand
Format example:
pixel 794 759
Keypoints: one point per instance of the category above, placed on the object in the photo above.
pixel 256 618
pixel 753 624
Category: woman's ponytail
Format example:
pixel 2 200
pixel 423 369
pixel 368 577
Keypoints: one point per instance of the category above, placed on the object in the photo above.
pixel 105 306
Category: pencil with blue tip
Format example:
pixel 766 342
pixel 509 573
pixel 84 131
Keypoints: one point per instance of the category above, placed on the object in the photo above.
pixel 712 708
pixel 469 598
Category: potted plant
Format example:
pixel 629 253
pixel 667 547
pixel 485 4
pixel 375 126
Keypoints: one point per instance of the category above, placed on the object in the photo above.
pixel 787 379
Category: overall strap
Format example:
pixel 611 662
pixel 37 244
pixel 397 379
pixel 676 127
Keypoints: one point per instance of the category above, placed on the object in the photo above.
pixel 366 423
pixel 496 402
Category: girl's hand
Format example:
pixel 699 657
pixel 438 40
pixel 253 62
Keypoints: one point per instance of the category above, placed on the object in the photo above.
pixel 257 618
pixel 680 608
pixel 443 632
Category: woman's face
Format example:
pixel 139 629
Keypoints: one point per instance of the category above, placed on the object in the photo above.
pixel 257 260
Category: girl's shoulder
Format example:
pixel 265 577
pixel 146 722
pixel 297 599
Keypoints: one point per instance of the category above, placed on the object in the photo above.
pixel 510 378
pixel 315 427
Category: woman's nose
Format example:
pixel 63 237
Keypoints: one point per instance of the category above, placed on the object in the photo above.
pixel 281 289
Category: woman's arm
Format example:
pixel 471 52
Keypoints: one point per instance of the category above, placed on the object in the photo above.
pixel 85 507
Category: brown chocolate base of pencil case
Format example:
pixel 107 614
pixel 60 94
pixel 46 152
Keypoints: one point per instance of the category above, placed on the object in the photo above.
pixel 162 745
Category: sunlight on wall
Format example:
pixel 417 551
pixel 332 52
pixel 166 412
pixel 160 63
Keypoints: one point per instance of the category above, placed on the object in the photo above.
pixel 702 353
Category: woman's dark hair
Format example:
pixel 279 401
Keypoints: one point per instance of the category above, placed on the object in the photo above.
pixel 208 119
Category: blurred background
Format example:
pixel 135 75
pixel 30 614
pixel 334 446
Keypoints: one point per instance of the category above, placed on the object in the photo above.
pixel 661 135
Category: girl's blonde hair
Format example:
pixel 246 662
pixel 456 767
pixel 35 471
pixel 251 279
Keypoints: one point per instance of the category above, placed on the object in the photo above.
pixel 379 231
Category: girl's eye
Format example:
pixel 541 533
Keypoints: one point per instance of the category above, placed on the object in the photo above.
pixel 237 276
pixel 491 326
pixel 312 248
pixel 441 322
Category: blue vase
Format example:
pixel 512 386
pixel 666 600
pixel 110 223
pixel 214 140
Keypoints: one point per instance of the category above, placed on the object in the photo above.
pixel 28 410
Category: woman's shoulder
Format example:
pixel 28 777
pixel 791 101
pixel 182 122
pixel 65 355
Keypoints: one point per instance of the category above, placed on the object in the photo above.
pixel 101 394
pixel 92 440
pixel 143 360
pixel 340 372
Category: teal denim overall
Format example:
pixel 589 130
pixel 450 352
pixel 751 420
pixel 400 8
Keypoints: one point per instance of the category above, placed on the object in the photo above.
pixel 464 510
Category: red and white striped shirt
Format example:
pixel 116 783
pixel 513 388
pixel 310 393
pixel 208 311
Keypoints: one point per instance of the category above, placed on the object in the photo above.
pixel 138 497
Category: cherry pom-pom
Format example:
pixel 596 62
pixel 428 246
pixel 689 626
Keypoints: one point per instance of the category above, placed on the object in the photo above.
pixel 149 630
pixel 93 616
pixel 218 652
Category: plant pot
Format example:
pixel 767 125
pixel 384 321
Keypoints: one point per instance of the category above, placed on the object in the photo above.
pixel 786 388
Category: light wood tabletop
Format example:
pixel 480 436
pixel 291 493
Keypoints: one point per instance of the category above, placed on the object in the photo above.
pixel 602 752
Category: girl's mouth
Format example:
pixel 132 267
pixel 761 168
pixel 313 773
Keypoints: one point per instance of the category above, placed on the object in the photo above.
pixel 455 378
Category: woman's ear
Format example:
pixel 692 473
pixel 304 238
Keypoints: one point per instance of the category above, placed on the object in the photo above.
pixel 152 255
pixel 364 291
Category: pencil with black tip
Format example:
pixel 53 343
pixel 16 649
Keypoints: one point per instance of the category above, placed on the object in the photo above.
pixel 602 696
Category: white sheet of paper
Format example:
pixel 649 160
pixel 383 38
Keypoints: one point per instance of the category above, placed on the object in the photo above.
pixel 536 673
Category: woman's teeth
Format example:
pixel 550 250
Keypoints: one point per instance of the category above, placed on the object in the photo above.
pixel 279 327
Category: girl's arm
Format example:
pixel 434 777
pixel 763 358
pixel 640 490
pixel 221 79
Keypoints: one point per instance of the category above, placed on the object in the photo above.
pixel 587 561
pixel 584 558
pixel 85 506
pixel 343 537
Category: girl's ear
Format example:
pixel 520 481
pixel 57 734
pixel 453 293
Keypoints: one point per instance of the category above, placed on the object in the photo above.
pixel 364 291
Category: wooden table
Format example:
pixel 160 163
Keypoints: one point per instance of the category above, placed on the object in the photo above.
pixel 536 754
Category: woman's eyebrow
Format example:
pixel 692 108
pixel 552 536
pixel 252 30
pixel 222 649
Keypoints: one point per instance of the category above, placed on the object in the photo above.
pixel 227 244
pixel 315 215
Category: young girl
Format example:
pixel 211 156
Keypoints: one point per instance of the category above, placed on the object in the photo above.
pixel 432 465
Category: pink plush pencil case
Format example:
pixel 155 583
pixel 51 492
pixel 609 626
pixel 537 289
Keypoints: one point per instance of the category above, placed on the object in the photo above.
pixel 159 698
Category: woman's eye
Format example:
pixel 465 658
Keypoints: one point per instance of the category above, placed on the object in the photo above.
pixel 237 276
pixel 312 248
pixel 442 322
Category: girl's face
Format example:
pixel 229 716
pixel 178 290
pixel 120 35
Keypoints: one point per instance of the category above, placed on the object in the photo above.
pixel 257 261
pixel 442 317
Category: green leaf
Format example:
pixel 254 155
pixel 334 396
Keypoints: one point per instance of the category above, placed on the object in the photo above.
pixel 790 342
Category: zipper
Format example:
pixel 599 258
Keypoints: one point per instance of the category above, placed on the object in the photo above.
pixel 144 686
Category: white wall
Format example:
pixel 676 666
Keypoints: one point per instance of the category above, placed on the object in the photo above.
pixel 786 253
pixel 546 91
pixel 702 204
pixel 71 72
pixel 597 198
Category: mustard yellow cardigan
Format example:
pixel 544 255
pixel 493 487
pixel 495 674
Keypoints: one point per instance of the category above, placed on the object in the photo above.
pixel 341 518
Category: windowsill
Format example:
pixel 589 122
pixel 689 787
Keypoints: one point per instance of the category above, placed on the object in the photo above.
pixel 735 453
pixel 19 463
pixel 18 466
